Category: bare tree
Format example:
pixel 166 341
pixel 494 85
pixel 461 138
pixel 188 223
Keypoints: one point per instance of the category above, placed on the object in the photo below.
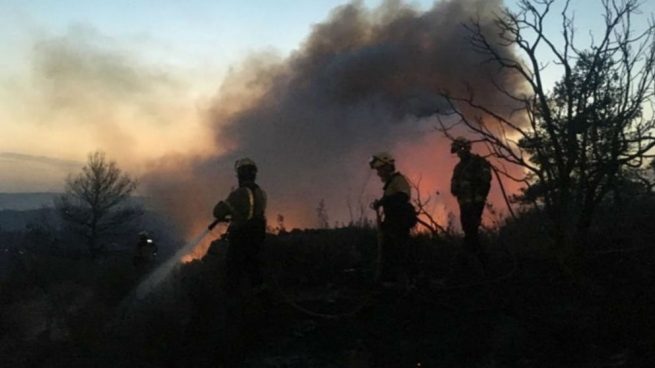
pixel 577 141
pixel 425 216
pixel 95 202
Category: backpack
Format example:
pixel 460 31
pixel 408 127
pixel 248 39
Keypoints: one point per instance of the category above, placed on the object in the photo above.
pixel 409 216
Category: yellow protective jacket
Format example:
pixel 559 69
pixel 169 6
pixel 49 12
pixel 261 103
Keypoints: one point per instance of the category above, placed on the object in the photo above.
pixel 471 179
pixel 246 203
pixel 395 202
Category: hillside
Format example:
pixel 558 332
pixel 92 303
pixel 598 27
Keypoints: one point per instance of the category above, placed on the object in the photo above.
pixel 26 201
pixel 321 309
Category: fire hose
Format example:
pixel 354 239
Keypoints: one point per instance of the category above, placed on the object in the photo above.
pixel 367 299
pixel 161 272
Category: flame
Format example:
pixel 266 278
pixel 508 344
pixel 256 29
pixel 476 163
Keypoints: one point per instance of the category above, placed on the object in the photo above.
pixel 201 248
pixel 199 251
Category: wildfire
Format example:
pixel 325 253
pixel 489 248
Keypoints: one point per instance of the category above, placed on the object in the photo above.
pixel 312 120
pixel 199 251
pixel 427 163
pixel 201 248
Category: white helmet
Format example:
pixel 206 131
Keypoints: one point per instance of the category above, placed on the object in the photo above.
pixel 242 162
pixel 381 159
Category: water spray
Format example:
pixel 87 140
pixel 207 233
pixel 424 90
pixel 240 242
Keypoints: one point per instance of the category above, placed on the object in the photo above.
pixel 161 272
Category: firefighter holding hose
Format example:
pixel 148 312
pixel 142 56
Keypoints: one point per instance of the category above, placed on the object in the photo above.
pixel 245 209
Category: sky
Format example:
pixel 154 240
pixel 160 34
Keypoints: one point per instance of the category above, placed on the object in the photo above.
pixel 176 53
pixel 132 78
pixel 152 83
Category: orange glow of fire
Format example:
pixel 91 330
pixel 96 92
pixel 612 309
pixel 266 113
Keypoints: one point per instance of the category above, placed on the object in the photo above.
pixel 201 248
pixel 428 164
pixel 199 251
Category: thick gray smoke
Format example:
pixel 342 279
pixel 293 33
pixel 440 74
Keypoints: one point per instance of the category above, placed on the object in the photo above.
pixel 363 81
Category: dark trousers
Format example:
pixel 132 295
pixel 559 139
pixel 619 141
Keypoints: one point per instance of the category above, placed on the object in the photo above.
pixel 471 217
pixel 242 260
pixel 395 253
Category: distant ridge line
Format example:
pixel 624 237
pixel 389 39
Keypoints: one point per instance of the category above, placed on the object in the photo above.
pixel 27 200
pixel 41 159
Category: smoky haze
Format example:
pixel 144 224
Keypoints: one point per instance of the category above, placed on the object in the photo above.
pixel 80 90
pixel 363 81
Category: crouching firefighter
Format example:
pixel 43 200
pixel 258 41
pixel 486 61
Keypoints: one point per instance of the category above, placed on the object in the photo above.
pixel 245 209
pixel 470 184
pixel 399 218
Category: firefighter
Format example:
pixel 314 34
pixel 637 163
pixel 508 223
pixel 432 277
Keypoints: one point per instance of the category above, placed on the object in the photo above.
pixel 399 218
pixel 245 209
pixel 146 250
pixel 470 184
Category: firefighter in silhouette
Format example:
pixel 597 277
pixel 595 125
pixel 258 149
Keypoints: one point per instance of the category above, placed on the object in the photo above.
pixel 245 209
pixel 399 218
pixel 470 184
pixel 146 250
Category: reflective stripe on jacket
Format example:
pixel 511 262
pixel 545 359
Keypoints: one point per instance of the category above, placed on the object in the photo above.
pixel 395 199
pixel 245 203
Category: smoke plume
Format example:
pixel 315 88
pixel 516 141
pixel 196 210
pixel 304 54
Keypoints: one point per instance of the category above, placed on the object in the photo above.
pixel 363 81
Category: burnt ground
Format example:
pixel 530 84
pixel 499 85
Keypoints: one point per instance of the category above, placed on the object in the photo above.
pixel 522 313
pixel 524 321
pixel 321 310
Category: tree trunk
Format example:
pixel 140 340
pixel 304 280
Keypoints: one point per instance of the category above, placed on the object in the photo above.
pixel 93 237
pixel 567 247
